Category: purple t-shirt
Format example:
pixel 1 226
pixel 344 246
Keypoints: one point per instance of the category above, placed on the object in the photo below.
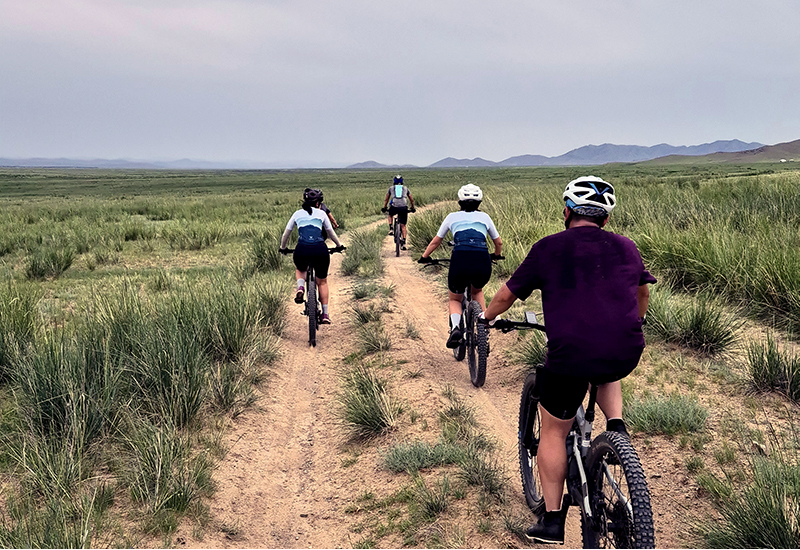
pixel 589 280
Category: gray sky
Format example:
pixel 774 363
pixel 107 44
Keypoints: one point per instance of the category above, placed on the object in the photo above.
pixel 338 82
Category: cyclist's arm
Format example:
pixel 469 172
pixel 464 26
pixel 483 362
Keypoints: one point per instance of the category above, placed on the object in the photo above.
pixel 333 220
pixel 643 297
pixel 434 244
pixel 410 198
pixel 386 201
pixel 500 303
pixel 326 224
pixel 285 238
pixel 498 245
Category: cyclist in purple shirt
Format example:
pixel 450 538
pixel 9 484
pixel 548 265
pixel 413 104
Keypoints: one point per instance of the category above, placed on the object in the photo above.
pixel 594 299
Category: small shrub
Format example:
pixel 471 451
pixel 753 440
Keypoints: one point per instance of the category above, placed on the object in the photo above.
pixel 49 262
pixel 770 369
pixel 668 416
pixel 405 457
pixel 368 409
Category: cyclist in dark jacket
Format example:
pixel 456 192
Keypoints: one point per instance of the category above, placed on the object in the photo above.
pixel 594 299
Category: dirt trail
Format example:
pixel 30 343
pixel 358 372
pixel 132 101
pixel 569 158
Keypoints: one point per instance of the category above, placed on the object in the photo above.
pixel 284 482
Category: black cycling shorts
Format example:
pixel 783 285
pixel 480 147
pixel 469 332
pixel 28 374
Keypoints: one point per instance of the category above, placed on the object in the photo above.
pixel 561 395
pixel 401 212
pixel 469 267
pixel 315 255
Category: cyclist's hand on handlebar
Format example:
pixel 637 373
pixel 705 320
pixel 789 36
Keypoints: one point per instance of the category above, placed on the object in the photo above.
pixel 384 210
pixel 496 257
pixel 424 260
pixel 340 248
pixel 412 209
pixel 283 251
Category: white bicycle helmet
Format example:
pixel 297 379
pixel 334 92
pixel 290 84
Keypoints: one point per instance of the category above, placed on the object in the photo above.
pixel 470 192
pixel 590 196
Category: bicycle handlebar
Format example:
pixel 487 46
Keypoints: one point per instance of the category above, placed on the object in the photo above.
pixel 506 325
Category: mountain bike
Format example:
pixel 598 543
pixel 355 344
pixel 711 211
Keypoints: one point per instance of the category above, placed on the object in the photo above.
pixel 312 306
pixel 397 231
pixel 475 342
pixel 605 478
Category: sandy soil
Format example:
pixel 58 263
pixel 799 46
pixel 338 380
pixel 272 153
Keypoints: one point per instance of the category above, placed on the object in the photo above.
pixel 290 480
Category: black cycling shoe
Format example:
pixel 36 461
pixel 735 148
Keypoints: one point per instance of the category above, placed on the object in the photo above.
pixel 549 528
pixel 298 298
pixel 455 338
pixel 617 425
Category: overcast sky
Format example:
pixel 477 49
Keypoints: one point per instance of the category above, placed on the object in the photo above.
pixel 338 82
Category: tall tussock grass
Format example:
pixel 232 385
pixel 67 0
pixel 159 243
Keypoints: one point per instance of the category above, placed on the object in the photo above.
pixel 19 322
pixel 756 497
pixel 363 255
pixel 368 408
pixel 771 369
pixel 666 415
pixel 698 322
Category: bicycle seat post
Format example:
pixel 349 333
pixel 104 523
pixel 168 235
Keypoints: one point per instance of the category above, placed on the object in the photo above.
pixel 590 406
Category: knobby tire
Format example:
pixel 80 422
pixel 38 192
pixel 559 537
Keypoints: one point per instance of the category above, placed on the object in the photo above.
pixel 397 237
pixel 311 310
pixel 528 443
pixel 477 367
pixel 613 525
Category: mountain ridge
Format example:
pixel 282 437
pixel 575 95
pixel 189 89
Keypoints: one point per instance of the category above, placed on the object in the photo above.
pixel 588 155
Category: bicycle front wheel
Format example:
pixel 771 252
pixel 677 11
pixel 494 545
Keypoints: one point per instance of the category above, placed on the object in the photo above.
pixel 477 360
pixel 618 496
pixel 529 433
pixel 311 311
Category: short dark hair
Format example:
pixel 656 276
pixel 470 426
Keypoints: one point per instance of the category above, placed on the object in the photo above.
pixel 470 205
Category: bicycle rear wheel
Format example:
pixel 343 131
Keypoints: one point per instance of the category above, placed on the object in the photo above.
pixel 618 496
pixel 397 237
pixel 528 443
pixel 476 349
pixel 311 310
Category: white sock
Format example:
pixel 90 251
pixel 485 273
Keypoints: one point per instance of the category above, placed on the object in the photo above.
pixel 301 284
pixel 455 319
pixel 325 309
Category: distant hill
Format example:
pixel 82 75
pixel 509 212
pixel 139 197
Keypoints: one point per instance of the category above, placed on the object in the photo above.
pixel 373 164
pixel 788 151
pixel 450 162
pixel 603 154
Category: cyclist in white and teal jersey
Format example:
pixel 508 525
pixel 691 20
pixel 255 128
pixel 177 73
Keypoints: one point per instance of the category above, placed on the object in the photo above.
pixel 398 198
pixel 311 249
pixel 470 262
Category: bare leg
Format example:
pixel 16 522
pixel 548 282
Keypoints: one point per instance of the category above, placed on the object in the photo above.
pixel 455 302
pixel 552 458
pixel 405 231
pixel 477 294
pixel 300 275
pixel 324 292
pixel 609 398
pixel 389 219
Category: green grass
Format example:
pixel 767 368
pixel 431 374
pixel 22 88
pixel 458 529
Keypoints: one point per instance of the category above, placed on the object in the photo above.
pixel 771 369
pixel 665 415
pixel 140 301
pixel 368 408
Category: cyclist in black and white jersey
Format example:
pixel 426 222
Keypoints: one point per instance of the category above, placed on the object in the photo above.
pixel 311 248
pixel 470 262
pixel 398 198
